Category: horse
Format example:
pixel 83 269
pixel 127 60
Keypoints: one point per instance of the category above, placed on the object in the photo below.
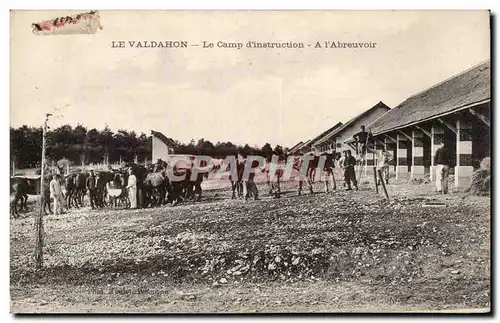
pixel 151 186
pixel 102 179
pixel 80 188
pixel 117 190
pixel 19 190
pixel 71 190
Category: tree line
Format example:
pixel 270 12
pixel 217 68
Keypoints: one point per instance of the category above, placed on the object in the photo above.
pixel 80 145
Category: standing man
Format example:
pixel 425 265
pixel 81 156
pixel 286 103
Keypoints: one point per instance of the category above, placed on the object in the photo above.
pixel 361 140
pixel 91 186
pixel 56 194
pixel 297 164
pixel 273 178
pixel 349 172
pixel 132 189
pixel 100 188
pixel 249 186
pixel 329 170
pixel 385 158
pixel 442 160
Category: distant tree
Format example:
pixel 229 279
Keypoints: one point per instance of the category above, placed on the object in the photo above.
pixel 266 150
pixel 278 150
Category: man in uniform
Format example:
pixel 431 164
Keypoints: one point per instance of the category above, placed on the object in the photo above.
pixel 249 186
pixel 329 172
pixel 274 177
pixel 363 138
pixel 349 172
pixel 298 162
pixel 442 160
pixel 91 186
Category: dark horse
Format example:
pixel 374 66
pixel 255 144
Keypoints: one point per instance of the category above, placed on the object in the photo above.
pixel 75 189
pixel 20 187
pixel 19 190
pixel 117 191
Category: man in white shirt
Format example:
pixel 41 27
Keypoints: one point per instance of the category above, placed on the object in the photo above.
pixel 132 189
pixel 56 194
pixel 383 165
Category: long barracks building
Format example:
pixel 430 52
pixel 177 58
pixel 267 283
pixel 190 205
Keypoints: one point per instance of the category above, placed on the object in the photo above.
pixel 455 111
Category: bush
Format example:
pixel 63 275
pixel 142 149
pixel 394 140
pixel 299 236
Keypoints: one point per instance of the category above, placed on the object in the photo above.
pixel 486 164
pixel 481 179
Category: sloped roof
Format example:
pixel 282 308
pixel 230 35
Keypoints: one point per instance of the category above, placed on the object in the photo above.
pixel 318 137
pixel 304 145
pixel 346 125
pixel 297 145
pixel 460 91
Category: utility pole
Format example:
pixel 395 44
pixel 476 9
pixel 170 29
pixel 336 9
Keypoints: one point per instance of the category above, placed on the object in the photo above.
pixel 39 217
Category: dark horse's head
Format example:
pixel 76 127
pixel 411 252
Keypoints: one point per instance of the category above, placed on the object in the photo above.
pixel 139 171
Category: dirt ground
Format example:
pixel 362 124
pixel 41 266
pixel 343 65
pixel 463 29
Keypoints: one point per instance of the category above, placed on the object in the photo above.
pixel 321 252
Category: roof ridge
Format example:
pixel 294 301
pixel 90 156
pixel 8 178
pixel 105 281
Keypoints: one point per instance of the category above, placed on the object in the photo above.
pixel 353 119
pixel 446 80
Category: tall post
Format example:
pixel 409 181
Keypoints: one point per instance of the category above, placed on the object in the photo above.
pixel 383 183
pixel 417 166
pixel 464 168
pixel 39 217
pixel 437 138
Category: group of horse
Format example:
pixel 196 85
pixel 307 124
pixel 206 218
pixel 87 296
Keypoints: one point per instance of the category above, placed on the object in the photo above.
pixel 154 185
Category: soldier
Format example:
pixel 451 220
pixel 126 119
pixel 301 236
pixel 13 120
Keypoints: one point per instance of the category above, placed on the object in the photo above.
pixel 299 160
pixel 349 172
pixel 274 175
pixel 91 186
pixel 249 187
pixel 363 138
pixel 442 160
pixel 329 170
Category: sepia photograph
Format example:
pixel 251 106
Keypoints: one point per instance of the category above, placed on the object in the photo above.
pixel 265 161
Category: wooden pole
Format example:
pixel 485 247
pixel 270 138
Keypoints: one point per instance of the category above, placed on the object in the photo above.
pixel 39 217
pixel 383 183
pixel 375 178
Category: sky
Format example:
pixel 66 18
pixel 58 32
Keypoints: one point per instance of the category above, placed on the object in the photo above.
pixel 254 96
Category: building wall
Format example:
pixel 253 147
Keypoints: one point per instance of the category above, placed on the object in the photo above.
pixel 159 151
pixel 356 127
pixel 338 144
